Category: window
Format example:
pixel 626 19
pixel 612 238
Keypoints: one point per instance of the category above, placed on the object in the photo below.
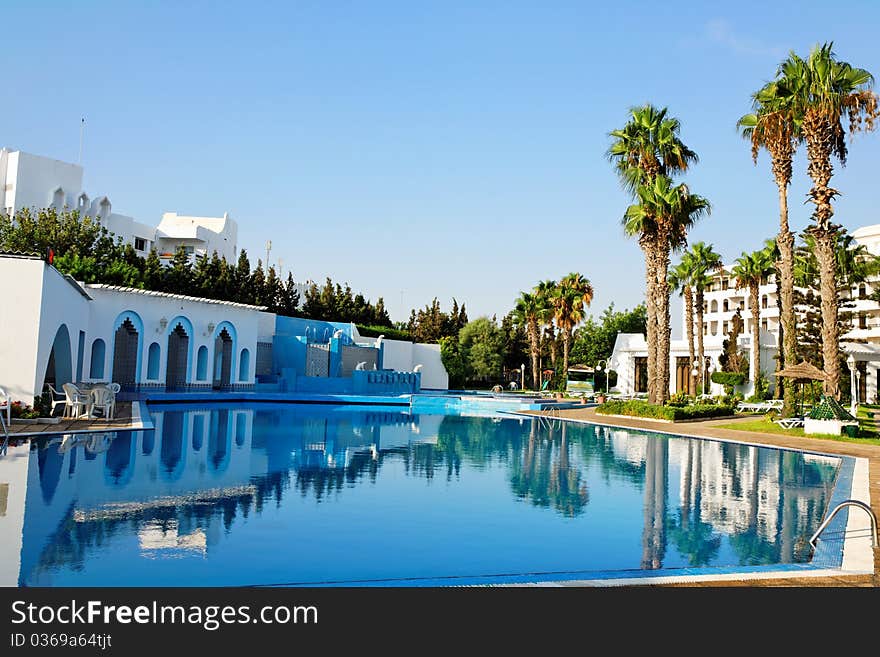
pixel 724 329
pixel 705 328
pixel 153 362
pixel 726 307
pixel 862 292
pixel 714 306
pixel 764 301
pixel 202 364
pixel 863 321
pixel 764 324
pixel 723 283
pixel 140 244
pixel 189 250
pixel 244 365
pixel 96 365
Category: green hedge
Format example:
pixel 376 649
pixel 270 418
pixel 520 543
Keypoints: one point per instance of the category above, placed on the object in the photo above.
pixel 638 408
pixel 728 378
pixel 376 331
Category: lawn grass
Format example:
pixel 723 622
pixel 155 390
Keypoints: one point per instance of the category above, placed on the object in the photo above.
pixel 867 431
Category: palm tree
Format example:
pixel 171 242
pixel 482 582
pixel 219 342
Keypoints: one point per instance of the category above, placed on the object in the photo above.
pixel 544 290
pixel 670 210
pixel 775 126
pixel 568 301
pixel 681 278
pixel 529 312
pixel 706 262
pixel 749 271
pixel 648 147
pixel 822 91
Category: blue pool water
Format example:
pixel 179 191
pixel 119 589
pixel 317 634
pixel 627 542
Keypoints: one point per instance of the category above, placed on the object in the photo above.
pixel 312 494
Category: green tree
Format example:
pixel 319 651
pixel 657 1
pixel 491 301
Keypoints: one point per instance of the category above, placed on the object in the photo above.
pixel 241 279
pixel 153 272
pixel 826 93
pixel 454 361
pixel 749 271
pixel 482 344
pixel 179 275
pixel 667 212
pixel 529 312
pixel 647 148
pixel 773 125
pixel 568 302
pixel 257 286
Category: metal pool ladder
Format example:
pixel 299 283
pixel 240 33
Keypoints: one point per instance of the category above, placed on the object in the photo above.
pixel 5 446
pixel 857 504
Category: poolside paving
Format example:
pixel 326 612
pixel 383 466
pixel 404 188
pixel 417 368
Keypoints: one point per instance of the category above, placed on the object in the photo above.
pixel 706 429
pixel 122 420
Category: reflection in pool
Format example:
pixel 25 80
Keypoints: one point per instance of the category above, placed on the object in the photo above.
pixel 289 494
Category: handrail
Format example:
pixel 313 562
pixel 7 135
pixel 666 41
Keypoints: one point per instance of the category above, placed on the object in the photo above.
pixel 5 446
pixel 855 503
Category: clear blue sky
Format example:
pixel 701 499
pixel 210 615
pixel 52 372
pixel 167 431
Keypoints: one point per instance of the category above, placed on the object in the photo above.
pixel 419 149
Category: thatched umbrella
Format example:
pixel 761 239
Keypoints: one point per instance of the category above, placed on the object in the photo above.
pixel 802 373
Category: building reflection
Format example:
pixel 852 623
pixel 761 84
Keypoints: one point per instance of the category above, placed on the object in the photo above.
pixel 181 487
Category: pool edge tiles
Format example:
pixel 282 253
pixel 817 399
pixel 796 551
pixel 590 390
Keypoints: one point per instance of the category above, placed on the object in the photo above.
pixel 850 550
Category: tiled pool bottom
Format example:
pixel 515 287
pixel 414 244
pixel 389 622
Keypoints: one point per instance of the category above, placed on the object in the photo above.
pixel 383 497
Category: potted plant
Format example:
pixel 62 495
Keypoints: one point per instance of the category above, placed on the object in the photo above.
pixel 601 397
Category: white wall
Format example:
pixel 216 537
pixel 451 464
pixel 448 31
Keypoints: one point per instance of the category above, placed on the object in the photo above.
pixel 19 325
pixel 110 303
pixel 404 356
pixel 35 178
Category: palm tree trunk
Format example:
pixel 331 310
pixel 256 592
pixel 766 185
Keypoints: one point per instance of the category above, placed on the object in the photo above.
pixel 828 298
pixel 566 343
pixel 788 354
pixel 651 325
pixel 661 301
pixel 534 348
pixel 819 135
pixel 700 302
pixel 756 334
pixel 689 323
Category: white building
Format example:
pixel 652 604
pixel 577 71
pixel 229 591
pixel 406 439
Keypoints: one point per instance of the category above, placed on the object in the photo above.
pixel 32 181
pixel 54 330
pixel 723 300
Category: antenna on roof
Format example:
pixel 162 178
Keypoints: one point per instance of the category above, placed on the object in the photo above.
pixel 82 127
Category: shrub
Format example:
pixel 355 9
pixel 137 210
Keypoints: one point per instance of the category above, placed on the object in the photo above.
pixel 728 380
pixel 637 408
pixel 679 399
pixel 390 333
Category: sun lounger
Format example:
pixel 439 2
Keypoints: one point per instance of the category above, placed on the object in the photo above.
pixel 790 422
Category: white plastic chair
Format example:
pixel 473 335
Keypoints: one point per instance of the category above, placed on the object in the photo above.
pixel 58 398
pixel 76 402
pixel 114 388
pixel 103 399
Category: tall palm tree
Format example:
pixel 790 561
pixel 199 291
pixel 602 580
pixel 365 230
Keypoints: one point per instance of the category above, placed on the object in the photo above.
pixel 568 301
pixel 681 278
pixel 672 209
pixel 775 126
pixel 647 147
pixel 749 270
pixel 824 93
pixel 544 290
pixel 529 312
pixel 706 262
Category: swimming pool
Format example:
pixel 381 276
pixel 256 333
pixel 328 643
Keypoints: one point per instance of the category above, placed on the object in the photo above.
pixel 336 495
